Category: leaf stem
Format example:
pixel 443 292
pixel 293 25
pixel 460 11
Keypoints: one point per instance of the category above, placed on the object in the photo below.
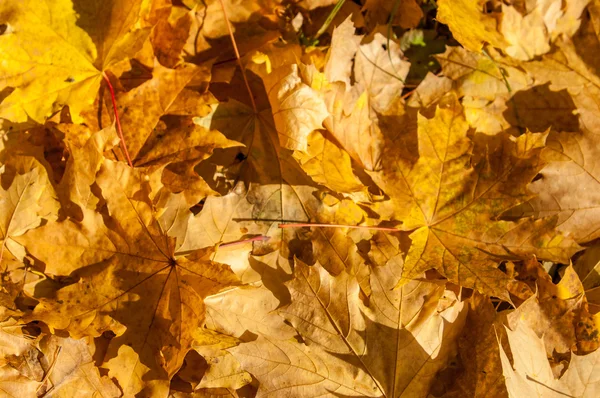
pixel 329 19
pixel 237 55
pixel 117 121
pixel 298 225
pixel 261 238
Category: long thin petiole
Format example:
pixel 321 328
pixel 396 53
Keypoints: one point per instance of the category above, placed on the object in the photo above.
pixel 298 225
pixel 261 238
pixel 237 55
pixel 117 121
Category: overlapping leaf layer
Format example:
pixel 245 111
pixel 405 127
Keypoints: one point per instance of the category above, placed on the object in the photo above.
pixel 319 198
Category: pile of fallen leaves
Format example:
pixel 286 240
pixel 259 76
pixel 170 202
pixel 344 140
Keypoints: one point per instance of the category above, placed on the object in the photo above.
pixel 205 198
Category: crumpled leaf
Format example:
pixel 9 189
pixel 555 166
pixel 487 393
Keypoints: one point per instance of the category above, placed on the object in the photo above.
pixel 566 187
pixel 297 110
pixel 28 199
pixel 529 32
pixel 531 374
pixel 378 74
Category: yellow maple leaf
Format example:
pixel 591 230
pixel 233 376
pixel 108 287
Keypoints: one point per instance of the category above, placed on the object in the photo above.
pixel 130 281
pixel 55 54
pixel 453 195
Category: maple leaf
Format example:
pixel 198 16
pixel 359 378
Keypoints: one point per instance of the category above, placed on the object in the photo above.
pixel 570 155
pixel 56 55
pixel 329 315
pixel 297 110
pixel 155 299
pixel 379 72
pixel 479 356
pixel 469 24
pixel 405 13
pixel 295 369
pixel 71 370
pixel 29 198
pixel 558 313
pixel 271 193
pixel 325 239
pixel 451 200
pixel 20 372
pixel 224 370
pixel 532 374
pixel 529 31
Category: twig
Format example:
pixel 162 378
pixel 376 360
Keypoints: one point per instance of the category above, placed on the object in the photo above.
pixel 298 225
pixel 237 55
pixel 117 121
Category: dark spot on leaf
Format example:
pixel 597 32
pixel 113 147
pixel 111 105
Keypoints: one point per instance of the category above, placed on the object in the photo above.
pixel 3 28
pixel 69 79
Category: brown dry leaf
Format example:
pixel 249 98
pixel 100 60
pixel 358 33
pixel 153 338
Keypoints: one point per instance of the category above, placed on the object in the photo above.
pixel 567 186
pixel 28 199
pixel 530 30
pixel 379 71
pixel 297 109
pixel 550 315
pixel 254 23
pixel 451 199
pixel 405 13
pixel 588 268
pixel 328 165
pixel 557 313
pixel 153 300
pixel 140 109
pixel 252 309
pixel 56 55
pixel 396 340
pixel 71 370
pixel 292 369
pixel 85 159
pixel 224 371
pixel 169 36
pixel 531 374
pixel 479 373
